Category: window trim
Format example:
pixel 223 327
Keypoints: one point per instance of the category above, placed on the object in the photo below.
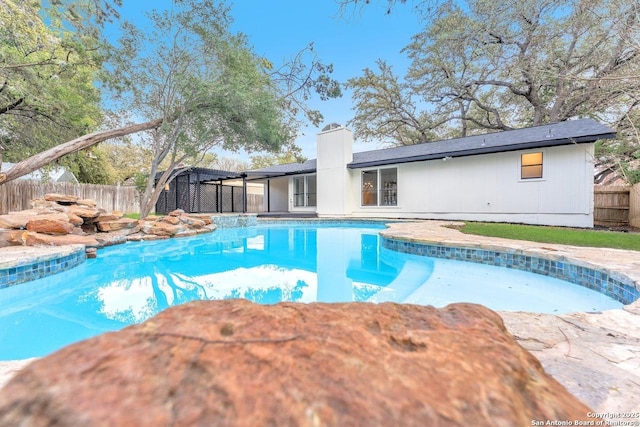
pixel 379 188
pixel 523 165
pixel 305 191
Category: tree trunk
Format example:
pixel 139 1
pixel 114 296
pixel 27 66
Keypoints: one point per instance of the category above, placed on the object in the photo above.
pixel 145 206
pixel 154 189
pixel 42 159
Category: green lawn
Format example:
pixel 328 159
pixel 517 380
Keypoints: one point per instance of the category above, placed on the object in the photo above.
pixel 560 235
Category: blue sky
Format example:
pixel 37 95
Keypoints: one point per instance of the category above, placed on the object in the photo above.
pixel 278 29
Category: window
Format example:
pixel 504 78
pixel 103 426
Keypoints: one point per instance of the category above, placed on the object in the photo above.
pixel 531 166
pixel 304 191
pixel 370 188
pixel 380 187
pixel 311 190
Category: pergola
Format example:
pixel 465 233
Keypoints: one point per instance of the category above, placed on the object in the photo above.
pixel 202 190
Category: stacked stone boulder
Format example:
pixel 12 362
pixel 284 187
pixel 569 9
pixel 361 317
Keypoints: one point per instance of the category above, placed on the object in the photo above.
pixel 60 219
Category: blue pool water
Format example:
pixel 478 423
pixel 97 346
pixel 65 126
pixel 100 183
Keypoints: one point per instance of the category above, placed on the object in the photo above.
pixel 266 264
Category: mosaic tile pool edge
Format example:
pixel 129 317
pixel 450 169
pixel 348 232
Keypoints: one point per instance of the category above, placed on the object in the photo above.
pixel 234 220
pixel 40 268
pixel 611 284
pixel 340 222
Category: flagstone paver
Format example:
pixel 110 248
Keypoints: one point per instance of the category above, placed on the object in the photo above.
pixel 596 356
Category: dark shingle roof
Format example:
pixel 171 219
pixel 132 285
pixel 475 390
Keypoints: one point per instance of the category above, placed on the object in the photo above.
pixel 288 169
pixel 562 133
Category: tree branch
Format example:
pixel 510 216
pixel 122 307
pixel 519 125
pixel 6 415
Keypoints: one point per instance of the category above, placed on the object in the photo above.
pixel 11 106
pixel 42 159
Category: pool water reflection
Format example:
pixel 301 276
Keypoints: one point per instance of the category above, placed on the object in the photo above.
pixel 266 264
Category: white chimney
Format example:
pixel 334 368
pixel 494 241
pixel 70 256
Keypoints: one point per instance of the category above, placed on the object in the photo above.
pixel 334 151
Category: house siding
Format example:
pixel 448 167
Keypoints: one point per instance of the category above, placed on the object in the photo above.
pixel 461 179
pixel 276 195
pixel 488 188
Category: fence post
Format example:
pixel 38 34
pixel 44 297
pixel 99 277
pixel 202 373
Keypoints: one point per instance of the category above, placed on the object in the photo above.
pixel 244 193
pixel 634 206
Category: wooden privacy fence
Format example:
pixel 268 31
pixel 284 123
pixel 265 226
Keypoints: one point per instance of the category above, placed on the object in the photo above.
pixel 17 195
pixel 255 203
pixel 616 206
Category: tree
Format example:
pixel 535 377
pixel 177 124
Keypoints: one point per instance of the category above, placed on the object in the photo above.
pixel 207 86
pixel 482 65
pixel 226 164
pixel 291 84
pixel 297 80
pixel 386 110
pixel 43 158
pixel 50 56
pixel 128 158
pixel 286 155
pixel 621 157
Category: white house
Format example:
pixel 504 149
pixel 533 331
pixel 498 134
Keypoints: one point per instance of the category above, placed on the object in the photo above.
pixel 536 175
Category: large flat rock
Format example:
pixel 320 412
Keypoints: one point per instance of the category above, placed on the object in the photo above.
pixel 237 363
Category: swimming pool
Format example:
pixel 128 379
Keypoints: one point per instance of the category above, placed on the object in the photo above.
pixel 302 262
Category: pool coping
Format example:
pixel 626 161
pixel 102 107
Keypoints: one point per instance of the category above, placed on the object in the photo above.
pixel 19 264
pixel 443 239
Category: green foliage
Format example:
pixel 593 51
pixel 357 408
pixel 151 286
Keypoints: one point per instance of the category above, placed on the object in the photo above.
pixel 203 82
pixel 127 158
pixel 206 83
pixel 140 181
pixel 91 167
pixel 558 235
pixel 482 65
pixel 386 109
pixel 622 154
pixel 631 173
pixel 293 155
pixel 224 163
pixel 49 60
pixel 132 215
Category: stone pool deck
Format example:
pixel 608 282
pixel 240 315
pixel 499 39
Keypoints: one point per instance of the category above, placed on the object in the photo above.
pixel 596 356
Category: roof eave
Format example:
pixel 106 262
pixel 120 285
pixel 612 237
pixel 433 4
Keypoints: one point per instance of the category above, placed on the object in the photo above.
pixel 265 175
pixel 483 150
